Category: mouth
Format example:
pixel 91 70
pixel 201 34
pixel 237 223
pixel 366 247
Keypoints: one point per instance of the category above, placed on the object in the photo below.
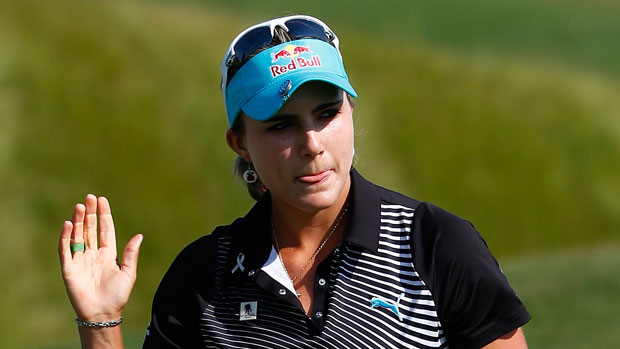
pixel 313 178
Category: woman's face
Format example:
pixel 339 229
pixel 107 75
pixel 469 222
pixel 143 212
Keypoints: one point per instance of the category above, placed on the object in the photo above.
pixel 303 154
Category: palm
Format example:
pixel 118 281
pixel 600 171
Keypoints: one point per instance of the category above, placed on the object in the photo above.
pixel 94 280
pixel 97 285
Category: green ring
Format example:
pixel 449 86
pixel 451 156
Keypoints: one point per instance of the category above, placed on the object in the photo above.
pixel 77 247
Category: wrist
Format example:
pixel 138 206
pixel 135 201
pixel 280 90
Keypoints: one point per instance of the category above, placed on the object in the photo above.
pixel 108 323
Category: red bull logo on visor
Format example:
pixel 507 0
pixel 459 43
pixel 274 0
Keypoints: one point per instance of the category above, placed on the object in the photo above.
pixel 291 51
pixel 293 62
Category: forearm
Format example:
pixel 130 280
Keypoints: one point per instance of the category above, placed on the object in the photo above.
pixel 101 337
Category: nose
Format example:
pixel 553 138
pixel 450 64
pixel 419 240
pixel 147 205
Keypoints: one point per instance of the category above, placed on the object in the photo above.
pixel 312 145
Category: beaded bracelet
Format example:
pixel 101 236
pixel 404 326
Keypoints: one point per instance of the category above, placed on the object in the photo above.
pixel 98 324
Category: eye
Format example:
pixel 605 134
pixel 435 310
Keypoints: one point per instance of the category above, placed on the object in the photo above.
pixel 328 113
pixel 280 125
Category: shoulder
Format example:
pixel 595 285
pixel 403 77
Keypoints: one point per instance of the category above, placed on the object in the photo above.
pixel 203 251
pixel 434 229
pixel 201 256
pixel 444 243
pixel 392 197
pixel 430 225
pixel 433 221
pixel 209 241
pixel 440 228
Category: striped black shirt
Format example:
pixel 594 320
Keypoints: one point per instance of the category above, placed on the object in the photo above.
pixel 406 275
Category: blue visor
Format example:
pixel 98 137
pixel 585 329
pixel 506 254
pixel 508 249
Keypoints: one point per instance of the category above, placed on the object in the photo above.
pixel 267 80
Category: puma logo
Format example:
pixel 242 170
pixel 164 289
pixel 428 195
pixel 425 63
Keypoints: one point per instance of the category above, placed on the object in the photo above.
pixel 377 302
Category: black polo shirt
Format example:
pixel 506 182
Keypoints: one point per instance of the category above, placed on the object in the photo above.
pixel 406 275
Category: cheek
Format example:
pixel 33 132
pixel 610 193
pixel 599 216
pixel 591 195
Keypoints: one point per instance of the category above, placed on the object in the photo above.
pixel 343 137
pixel 268 147
pixel 268 154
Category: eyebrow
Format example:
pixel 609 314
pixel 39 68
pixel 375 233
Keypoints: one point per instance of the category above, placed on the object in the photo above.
pixel 289 116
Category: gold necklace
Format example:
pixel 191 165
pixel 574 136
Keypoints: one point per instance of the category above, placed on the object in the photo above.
pixel 275 239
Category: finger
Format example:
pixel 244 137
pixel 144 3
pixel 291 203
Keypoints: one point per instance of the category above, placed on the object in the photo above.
pixel 90 222
pixel 130 255
pixel 77 235
pixel 107 236
pixel 65 240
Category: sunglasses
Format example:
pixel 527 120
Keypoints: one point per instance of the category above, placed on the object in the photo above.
pixel 261 35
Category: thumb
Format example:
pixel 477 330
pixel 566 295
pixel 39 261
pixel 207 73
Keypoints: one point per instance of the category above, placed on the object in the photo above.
pixel 130 255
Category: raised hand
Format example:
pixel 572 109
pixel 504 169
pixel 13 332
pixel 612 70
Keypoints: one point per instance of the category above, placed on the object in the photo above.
pixel 97 285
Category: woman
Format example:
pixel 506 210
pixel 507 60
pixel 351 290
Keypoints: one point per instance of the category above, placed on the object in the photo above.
pixel 325 258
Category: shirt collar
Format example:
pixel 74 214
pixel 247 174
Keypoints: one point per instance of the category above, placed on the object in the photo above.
pixel 364 223
pixel 252 234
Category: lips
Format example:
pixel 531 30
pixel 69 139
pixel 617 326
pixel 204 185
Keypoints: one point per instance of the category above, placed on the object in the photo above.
pixel 312 178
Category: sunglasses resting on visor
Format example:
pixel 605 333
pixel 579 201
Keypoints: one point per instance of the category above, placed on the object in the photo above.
pixel 261 35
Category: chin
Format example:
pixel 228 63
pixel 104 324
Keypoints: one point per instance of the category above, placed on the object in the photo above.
pixel 320 200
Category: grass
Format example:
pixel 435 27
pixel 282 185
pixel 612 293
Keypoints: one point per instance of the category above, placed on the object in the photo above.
pixel 572 296
pixel 121 98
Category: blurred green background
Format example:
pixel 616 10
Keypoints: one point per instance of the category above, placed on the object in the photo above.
pixel 504 112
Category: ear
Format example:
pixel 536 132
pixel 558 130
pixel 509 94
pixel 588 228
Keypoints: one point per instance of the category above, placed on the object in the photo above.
pixel 235 142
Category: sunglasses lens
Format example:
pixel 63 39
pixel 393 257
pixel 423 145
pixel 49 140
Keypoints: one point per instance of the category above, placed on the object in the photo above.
pixel 252 41
pixel 302 28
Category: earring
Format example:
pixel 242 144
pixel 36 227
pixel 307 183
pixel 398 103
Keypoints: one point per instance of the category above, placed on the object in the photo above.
pixel 249 175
